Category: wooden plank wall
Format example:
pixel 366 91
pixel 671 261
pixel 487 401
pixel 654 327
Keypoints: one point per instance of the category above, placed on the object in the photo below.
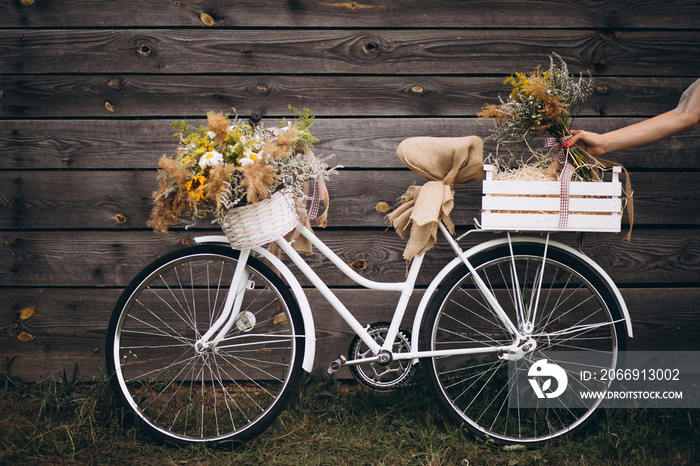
pixel 87 90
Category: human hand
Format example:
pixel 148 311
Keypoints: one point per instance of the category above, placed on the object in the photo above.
pixel 590 142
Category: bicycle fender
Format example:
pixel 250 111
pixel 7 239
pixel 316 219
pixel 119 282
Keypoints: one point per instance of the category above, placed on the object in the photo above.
pixel 457 261
pixel 297 291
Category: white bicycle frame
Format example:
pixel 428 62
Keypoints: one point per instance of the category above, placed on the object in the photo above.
pixel 521 341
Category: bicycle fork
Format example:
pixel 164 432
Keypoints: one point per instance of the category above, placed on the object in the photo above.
pixel 231 310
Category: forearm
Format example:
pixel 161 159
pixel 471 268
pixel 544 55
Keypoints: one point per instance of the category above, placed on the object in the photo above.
pixel 654 129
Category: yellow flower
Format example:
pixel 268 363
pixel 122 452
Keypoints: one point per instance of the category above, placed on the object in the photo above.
pixel 195 187
pixel 520 85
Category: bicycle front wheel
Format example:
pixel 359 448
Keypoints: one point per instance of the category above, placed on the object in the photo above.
pixel 183 393
pixel 561 303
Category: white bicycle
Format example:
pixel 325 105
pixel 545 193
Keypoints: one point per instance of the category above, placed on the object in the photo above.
pixel 208 344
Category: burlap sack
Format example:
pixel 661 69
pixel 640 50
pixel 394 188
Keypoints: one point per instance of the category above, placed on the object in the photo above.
pixel 445 162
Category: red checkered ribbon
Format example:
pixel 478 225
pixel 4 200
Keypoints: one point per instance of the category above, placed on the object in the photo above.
pixel 567 170
pixel 312 211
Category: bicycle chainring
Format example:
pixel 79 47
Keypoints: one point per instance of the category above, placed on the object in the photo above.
pixel 381 377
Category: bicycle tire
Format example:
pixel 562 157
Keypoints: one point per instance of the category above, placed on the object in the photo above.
pixel 578 312
pixel 183 395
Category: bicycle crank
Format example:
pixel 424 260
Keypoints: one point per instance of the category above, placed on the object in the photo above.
pixel 383 373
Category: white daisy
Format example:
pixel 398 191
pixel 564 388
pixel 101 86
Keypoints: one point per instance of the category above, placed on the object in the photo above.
pixel 248 157
pixel 211 159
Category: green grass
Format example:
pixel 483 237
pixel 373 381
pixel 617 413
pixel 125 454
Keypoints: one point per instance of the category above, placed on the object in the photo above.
pixel 328 423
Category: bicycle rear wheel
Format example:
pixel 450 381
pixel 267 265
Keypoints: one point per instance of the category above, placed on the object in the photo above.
pixel 184 394
pixel 578 318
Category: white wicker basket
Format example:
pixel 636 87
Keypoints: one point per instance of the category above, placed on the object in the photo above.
pixel 257 224
pixel 534 205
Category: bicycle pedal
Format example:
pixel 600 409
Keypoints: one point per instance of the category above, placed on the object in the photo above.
pixel 336 365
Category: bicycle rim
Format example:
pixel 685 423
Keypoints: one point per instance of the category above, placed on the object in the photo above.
pixel 577 315
pixel 184 394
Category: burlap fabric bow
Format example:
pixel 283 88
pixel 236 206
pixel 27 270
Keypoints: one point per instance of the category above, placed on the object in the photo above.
pixel 445 162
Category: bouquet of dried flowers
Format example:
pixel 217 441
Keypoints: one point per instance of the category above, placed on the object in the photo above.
pixel 231 163
pixel 543 102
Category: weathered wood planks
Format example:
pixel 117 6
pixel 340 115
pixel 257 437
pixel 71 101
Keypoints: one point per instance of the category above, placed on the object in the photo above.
pixel 68 326
pixel 366 143
pixel 122 199
pixel 570 14
pixel 87 92
pixel 130 96
pixel 366 52
pixel 111 259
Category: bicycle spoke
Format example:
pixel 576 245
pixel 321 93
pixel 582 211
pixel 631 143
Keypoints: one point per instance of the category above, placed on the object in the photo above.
pixel 570 314
pixel 186 391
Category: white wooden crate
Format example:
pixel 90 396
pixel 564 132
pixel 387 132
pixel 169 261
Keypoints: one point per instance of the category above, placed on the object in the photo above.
pixel 534 205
